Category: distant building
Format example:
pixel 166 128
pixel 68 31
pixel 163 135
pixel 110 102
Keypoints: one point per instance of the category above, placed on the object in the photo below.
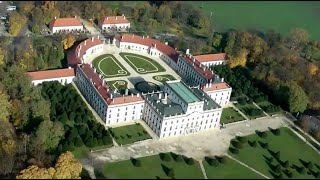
pixel 62 75
pixel 116 22
pixel 65 25
pixel 211 59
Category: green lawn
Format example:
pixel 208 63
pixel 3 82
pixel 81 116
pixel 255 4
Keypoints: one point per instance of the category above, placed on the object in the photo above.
pixel 230 115
pixel 246 109
pixel 291 148
pixel 142 64
pixel 264 104
pixel 151 169
pixel 129 134
pixel 280 16
pixel 119 84
pixel 229 170
pixel 109 66
pixel 163 78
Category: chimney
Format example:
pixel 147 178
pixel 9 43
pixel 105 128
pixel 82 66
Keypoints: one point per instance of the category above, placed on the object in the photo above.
pixel 155 45
pixel 69 67
pixel 165 96
pixel 111 96
pixel 222 79
pixel 123 16
pixel 92 39
pixel 75 16
pixel 147 36
pixel 55 17
pixel 78 53
pixel 98 36
pixel 95 70
pixel 138 95
pixel 121 37
pixel 116 17
pixel 103 81
pixel 82 61
pixel 207 85
pixel 194 59
pixel 85 42
pixel 166 43
pixel 160 95
pixel 127 92
pixel 204 68
pixel 142 37
pixel 187 51
pixel 91 65
pixel 80 47
pixel 107 18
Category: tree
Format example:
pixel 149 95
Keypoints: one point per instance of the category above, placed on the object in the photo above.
pixel 317 135
pixel 69 41
pixel 16 22
pixel 170 173
pixel 5 106
pixel 296 37
pixel 312 69
pixel 8 146
pixel 50 133
pixel 25 7
pixel 164 14
pixel 67 167
pixel 238 60
pixel 297 98
pixel 2 57
pixel 35 29
pixel 216 40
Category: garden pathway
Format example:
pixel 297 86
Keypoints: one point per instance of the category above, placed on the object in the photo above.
pixel 232 105
pixel 243 164
pixel 203 170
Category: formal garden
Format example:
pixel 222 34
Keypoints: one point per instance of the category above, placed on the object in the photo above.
pixel 163 78
pixel 109 66
pixel 81 130
pixel 223 167
pixel 249 109
pixel 277 153
pixel 142 64
pixel 129 134
pixel 269 108
pixel 230 115
pixel 163 165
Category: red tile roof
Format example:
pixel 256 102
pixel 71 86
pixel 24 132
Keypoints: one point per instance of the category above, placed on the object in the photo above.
pixel 97 82
pixel 50 74
pixel 62 22
pixel 114 20
pixel 196 64
pixel 168 50
pixel 211 57
pixel 217 86
pixel 73 57
pixel 126 99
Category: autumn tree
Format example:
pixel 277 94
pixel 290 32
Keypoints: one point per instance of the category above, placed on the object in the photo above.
pixel 240 59
pixel 312 69
pixel 67 167
pixel 69 41
pixel 8 147
pixel 25 7
pixel 164 14
pixel 296 37
pixel 16 23
pixel 305 123
pixel 5 106
pixel 49 11
pixel 216 40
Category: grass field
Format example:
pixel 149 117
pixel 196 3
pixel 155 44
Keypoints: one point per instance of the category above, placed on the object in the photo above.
pixel 129 134
pixel 151 169
pixel 142 64
pixel 109 66
pixel 280 16
pixel 229 170
pixel 246 108
pixel 291 148
pixel 163 78
pixel 230 115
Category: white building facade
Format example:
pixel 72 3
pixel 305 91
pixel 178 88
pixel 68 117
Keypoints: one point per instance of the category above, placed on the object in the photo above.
pixel 64 76
pixel 65 25
pixel 116 22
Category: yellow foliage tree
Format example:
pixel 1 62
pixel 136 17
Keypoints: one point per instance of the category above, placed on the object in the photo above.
pixel 68 41
pixel 2 57
pixel 240 59
pixel 16 22
pixel 312 69
pixel 67 167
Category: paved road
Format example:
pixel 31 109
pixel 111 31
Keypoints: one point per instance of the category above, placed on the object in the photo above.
pixel 207 143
